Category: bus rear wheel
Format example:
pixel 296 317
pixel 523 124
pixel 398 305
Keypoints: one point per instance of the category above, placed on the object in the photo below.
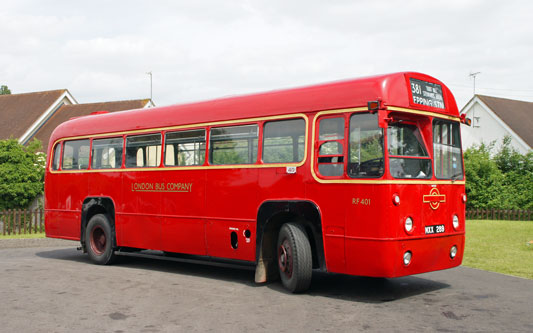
pixel 99 240
pixel 294 254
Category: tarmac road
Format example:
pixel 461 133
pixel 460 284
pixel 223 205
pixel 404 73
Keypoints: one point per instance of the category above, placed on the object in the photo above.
pixel 55 289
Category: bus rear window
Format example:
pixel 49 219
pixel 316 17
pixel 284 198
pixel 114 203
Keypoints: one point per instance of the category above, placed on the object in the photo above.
pixel 143 151
pixel 56 157
pixel 233 145
pixel 76 155
pixel 447 150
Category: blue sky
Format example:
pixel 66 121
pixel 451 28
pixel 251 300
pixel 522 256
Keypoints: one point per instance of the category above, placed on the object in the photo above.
pixel 197 50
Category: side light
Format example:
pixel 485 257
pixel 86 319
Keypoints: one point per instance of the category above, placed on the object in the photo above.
pixel 407 258
pixel 453 252
pixel 396 199
pixel 455 222
pixel 374 105
pixel 408 224
pixel 463 198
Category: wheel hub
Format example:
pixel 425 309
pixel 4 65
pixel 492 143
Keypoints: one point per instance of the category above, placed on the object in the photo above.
pixel 285 258
pixel 98 240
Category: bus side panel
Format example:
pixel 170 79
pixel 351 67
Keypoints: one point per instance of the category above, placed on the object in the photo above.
pixel 231 205
pixel 183 209
pixel 367 215
pixel 106 184
pixel 227 239
pixel 139 223
pixel 52 223
pixel 332 202
pixel 277 184
pixel 65 221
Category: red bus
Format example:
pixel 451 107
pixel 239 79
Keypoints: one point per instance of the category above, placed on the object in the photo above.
pixel 361 177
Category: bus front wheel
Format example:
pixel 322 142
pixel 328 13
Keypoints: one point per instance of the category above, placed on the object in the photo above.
pixel 295 262
pixel 99 240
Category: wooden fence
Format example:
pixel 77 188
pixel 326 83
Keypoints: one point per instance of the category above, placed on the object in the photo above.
pixel 499 214
pixel 17 221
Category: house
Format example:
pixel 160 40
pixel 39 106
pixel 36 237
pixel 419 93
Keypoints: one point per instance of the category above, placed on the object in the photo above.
pixel 21 115
pixel 35 115
pixel 77 110
pixel 493 118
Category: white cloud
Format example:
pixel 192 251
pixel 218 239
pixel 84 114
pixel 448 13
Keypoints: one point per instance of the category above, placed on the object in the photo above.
pixel 101 50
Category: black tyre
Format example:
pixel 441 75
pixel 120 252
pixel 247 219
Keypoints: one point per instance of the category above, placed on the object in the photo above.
pixel 295 260
pixel 99 238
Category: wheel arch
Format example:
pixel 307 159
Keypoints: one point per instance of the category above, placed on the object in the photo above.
pixel 97 205
pixel 271 216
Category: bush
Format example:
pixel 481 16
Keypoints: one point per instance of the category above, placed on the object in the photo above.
pixel 21 173
pixel 502 180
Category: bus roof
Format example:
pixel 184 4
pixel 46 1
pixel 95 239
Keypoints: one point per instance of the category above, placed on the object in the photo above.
pixel 393 90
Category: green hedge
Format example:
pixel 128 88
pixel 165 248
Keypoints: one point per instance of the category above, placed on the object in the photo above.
pixel 501 179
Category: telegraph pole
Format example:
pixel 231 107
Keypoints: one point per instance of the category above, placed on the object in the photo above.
pixel 473 75
pixel 150 73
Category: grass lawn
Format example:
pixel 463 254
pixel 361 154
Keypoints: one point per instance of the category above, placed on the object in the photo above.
pixel 38 235
pixel 500 246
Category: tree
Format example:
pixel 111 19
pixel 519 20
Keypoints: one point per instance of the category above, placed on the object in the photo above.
pixel 518 174
pixel 4 90
pixel 21 173
pixel 484 181
pixel 501 180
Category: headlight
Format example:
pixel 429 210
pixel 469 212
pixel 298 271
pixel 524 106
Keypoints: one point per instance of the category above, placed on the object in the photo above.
pixel 407 258
pixel 409 224
pixel 455 222
pixel 453 251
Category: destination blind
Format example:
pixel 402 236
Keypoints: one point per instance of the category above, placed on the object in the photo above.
pixel 427 93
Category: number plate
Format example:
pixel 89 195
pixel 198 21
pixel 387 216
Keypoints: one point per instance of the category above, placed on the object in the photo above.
pixel 434 229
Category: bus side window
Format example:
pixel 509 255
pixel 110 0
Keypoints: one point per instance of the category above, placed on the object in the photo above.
pixel 366 147
pixel 331 147
pixel 185 148
pixel 107 153
pixel 447 150
pixel 233 145
pixel 143 151
pixel 283 141
pixel 76 155
pixel 56 156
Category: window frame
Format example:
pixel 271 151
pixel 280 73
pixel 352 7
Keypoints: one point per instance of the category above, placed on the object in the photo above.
pixel 159 160
pixel 460 146
pixel 295 143
pixel 63 150
pixel 60 156
pixel 210 146
pixel 320 142
pixel 423 142
pixel 176 165
pixel 123 151
pixel 383 149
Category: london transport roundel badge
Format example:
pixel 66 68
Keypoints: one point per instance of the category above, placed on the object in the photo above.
pixel 434 198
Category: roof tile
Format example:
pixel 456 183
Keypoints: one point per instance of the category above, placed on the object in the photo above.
pixel 77 110
pixel 518 115
pixel 19 111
